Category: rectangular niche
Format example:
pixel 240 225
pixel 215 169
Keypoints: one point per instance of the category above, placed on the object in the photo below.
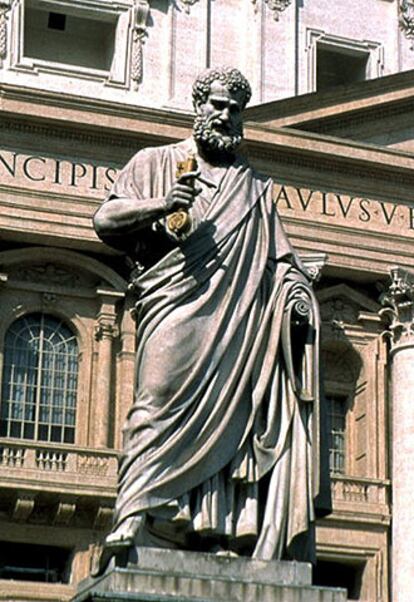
pixel 337 66
pixel 82 39
pixel 334 60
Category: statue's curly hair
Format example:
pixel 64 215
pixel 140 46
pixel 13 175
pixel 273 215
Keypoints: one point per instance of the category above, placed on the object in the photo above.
pixel 233 79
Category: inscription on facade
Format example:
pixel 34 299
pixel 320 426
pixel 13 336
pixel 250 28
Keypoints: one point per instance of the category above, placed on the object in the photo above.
pixel 67 176
pixel 53 174
pixel 344 210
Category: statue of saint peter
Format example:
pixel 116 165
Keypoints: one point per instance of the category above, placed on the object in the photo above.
pixel 222 443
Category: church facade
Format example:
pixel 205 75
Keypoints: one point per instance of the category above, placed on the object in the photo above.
pixel 331 121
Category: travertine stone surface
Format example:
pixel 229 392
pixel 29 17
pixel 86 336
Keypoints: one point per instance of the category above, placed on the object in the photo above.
pixel 174 575
pixel 174 40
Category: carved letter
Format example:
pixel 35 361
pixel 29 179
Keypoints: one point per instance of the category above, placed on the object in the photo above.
pixel 365 215
pixel 345 209
pixel 303 202
pixel 411 217
pixel 388 216
pixel 325 206
pixel 94 177
pixel 27 172
pixel 11 169
pixel 77 175
pixel 57 172
pixel 110 173
pixel 283 195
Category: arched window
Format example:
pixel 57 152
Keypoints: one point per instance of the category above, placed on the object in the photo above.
pixel 40 377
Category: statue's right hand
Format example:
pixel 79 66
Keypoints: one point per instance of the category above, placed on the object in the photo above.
pixel 182 193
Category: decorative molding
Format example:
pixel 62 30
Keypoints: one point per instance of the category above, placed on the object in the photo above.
pixel 92 465
pixel 342 308
pixel 399 308
pixel 113 75
pixel 48 274
pixel 23 507
pixel 105 329
pixel 5 6
pixel 66 262
pixel 360 490
pixel 276 6
pixel 141 14
pixel 375 50
pixel 48 459
pixel 66 134
pixel 330 165
pixel 103 517
pixel 187 4
pixel 12 457
pixel 339 311
pixel 406 20
pixel 65 511
pixel 49 299
pixel 314 263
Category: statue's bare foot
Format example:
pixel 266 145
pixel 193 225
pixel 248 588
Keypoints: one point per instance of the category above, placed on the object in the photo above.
pixel 117 544
pixel 227 553
pixel 218 550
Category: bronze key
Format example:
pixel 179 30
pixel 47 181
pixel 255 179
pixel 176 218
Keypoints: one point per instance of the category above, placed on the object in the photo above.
pixel 179 222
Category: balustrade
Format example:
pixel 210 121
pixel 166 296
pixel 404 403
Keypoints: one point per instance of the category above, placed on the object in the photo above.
pixel 31 460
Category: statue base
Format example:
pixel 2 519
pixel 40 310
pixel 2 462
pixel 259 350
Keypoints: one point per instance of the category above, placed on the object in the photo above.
pixel 177 576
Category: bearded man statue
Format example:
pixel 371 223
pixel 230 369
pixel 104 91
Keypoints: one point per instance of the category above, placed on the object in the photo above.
pixel 222 444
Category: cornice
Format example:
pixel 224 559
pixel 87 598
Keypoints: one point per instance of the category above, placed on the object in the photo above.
pixel 392 93
pixel 64 133
pixel 371 119
pixel 75 112
pixel 287 145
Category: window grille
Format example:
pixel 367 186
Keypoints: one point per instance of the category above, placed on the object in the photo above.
pixel 40 378
pixel 337 406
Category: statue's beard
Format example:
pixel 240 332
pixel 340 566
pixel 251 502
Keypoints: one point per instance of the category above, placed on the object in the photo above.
pixel 208 135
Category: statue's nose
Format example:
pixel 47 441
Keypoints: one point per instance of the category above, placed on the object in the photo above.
pixel 225 114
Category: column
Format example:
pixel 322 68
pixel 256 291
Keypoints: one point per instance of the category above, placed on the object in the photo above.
pixel 106 331
pixel 400 301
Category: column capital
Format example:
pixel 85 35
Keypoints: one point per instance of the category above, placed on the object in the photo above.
pixel 398 300
pixel 106 327
pixel 314 264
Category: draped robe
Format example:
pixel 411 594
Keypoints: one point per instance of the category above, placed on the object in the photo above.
pixel 227 396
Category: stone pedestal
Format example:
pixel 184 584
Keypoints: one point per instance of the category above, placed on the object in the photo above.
pixel 175 576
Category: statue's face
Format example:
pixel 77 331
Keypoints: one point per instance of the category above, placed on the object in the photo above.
pixel 218 125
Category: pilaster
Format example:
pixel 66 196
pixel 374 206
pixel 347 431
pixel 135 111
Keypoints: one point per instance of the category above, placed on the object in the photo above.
pixel 106 330
pixel 399 300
